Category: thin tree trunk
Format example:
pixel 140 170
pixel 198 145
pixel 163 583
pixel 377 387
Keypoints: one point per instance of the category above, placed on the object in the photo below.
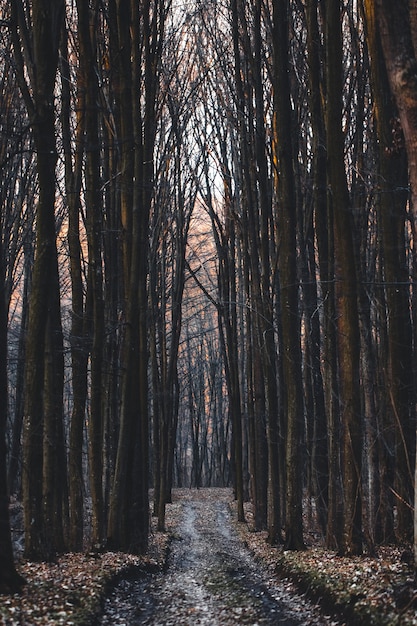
pixel 15 454
pixel 266 321
pixel 10 580
pixel 258 451
pixel 79 348
pixel 320 460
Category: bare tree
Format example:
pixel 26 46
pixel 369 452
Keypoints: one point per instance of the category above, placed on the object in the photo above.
pixel 348 340
pixel 286 212
pixel 79 350
pixel 141 30
pixel 398 30
pixel 36 66
pixel 17 196
pixel 88 83
pixel 10 580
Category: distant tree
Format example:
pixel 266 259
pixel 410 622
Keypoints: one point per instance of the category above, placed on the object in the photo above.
pixel 224 235
pixel 173 209
pixel 217 137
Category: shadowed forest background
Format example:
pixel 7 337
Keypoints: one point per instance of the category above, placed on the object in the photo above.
pixel 207 267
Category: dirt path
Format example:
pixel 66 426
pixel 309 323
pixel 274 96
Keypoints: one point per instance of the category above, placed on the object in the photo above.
pixel 211 579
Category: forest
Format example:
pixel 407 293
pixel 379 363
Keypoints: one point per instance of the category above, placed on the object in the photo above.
pixel 208 268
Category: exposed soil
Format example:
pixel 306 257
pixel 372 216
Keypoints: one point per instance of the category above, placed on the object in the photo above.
pixel 211 578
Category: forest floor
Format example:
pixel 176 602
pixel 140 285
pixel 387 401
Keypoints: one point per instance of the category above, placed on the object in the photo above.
pixel 209 569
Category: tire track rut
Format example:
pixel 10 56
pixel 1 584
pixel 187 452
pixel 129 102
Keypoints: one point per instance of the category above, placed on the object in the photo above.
pixel 211 579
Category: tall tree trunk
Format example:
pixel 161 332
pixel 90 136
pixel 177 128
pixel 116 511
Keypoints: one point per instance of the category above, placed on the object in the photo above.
pixel 129 503
pixel 113 253
pixel 287 263
pixel 258 451
pixel 346 291
pixel 320 457
pixel 398 31
pixel 117 531
pixel 44 298
pixel 392 210
pixel 267 278
pixel 79 348
pixel 89 83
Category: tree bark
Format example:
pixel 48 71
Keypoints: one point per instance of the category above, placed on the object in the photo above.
pixel 320 456
pixel 256 406
pixel 129 502
pixel 79 347
pixel 289 283
pixel 348 337
pixel 10 580
pixel 398 32
pixel 89 84
pixel 44 297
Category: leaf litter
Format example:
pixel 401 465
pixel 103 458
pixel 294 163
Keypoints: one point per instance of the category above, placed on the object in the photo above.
pixel 209 569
